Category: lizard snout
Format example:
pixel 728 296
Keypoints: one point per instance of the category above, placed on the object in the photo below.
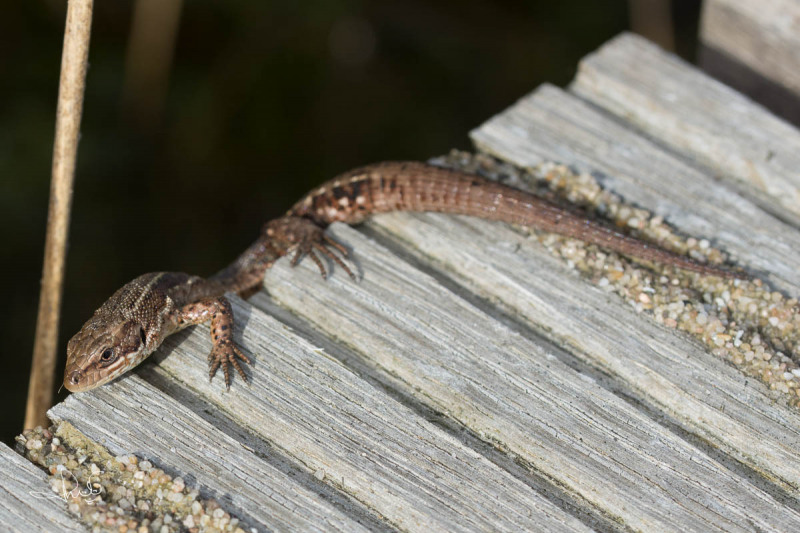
pixel 73 380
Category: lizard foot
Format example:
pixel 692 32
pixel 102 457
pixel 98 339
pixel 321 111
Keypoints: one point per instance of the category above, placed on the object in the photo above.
pixel 304 237
pixel 226 354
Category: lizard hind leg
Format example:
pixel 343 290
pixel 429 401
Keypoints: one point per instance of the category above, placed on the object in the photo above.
pixel 305 238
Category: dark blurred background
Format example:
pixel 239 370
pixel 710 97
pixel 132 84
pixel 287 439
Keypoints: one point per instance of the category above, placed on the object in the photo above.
pixel 189 144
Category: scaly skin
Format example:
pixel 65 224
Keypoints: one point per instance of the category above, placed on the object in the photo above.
pixel 139 316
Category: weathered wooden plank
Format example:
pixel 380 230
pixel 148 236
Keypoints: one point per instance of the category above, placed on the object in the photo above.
pixel 356 439
pixel 763 35
pixel 698 117
pixel 660 367
pixel 551 125
pixel 514 392
pixel 27 502
pixel 705 396
pixel 130 416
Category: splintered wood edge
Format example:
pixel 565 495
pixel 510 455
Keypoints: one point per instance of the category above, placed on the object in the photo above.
pixel 529 403
pixel 702 393
pixel 762 39
pixel 27 503
pixel 552 125
pixel 355 438
pixel 130 416
pixel 696 116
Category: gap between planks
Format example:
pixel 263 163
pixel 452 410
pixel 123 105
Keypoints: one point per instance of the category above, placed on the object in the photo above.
pixel 345 432
pixel 506 389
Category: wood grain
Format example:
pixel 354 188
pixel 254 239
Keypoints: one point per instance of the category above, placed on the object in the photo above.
pixel 698 117
pixel 703 395
pixel 514 392
pixel 26 501
pixel 471 381
pixel 328 423
pixel 552 125
pixel 763 35
pixel 182 442
pixel 657 366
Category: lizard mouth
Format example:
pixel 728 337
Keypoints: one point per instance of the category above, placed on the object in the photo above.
pixel 80 380
pixel 75 381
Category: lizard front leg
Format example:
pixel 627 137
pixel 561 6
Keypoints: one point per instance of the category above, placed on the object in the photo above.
pixel 224 353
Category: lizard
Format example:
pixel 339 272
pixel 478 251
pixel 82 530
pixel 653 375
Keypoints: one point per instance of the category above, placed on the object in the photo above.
pixel 133 323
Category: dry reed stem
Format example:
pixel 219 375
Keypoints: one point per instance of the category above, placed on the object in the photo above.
pixel 74 62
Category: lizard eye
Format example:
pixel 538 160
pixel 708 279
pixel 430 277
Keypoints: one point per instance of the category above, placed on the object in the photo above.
pixel 107 356
pixel 142 336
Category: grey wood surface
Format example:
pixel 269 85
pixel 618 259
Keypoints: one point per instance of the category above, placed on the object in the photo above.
pixel 698 117
pixel 304 408
pixel 552 125
pixel 471 381
pixel 199 449
pixel 764 35
pixel 658 367
pixel 26 501
pixel 516 392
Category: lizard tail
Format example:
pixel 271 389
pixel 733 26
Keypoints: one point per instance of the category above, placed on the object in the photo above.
pixel 414 186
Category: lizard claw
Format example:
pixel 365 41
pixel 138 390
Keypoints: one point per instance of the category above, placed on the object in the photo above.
pixel 226 354
pixel 307 238
pixel 322 247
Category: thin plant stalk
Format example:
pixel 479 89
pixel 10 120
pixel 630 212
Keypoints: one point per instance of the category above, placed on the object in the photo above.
pixel 74 61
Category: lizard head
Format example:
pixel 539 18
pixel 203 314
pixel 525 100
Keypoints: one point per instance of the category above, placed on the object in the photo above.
pixel 102 350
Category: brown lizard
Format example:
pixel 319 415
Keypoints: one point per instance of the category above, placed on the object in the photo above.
pixel 140 315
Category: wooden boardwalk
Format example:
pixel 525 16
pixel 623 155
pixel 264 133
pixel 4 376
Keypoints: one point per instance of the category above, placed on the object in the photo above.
pixel 473 381
pixel 753 46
